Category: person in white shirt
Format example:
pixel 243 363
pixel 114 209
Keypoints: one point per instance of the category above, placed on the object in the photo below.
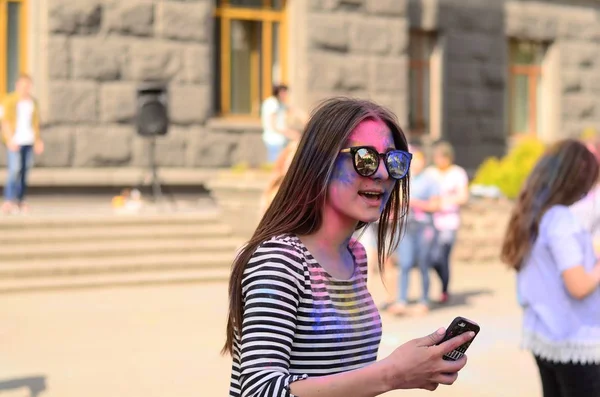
pixel 274 113
pixel 21 134
pixel 454 193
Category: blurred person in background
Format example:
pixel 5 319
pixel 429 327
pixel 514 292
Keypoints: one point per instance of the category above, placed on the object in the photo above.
pixel 275 112
pixel 296 120
pixel 21 135
pixel 280 168
pixel 587 210
pixel 415 248
pixel 558 273
pixel 454 193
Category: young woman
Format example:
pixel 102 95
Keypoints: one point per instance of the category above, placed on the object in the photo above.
pixel 301 320
pixel 558 273
pixel 418 242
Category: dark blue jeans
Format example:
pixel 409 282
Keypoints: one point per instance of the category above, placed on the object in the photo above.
pixel 441 256
pixel 18 165
pixel 415 250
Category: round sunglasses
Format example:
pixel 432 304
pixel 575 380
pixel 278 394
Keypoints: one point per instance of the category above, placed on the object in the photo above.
pixel 366 161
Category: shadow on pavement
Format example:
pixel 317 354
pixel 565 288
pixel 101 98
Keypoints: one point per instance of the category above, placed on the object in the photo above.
pixel 461 298
pixel 35 384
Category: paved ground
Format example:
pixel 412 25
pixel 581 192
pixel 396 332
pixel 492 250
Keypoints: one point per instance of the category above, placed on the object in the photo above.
pixel 158 341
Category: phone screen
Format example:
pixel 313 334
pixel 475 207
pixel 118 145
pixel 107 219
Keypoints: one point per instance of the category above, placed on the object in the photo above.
pixel 459 325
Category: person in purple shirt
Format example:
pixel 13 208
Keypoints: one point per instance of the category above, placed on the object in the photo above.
pixel 558 274
pixel 587 210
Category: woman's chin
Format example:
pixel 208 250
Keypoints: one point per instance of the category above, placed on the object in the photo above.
pixel 370 218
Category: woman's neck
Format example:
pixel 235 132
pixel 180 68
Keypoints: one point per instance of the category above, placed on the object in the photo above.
pixel 334 234
pixel 445 168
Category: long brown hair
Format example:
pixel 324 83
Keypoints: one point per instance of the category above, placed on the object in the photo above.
pixel 296 208
pixel 565 173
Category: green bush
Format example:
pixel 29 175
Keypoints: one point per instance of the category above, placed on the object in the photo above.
pixel 509 173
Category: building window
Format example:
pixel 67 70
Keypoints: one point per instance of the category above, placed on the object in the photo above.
pixel 12 43
pixel 525 86
pixel 251 38
pixel 420 50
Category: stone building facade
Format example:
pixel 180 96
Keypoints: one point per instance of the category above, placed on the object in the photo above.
pixel 88 56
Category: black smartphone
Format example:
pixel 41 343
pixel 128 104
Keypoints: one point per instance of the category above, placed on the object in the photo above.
pixel 458 326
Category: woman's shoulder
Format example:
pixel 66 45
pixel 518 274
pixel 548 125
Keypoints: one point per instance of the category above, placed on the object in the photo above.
pixel 282 242
pixel 558 211
pixel 432 172
pixel 560 219
pixel 275 262
pixel 282 249
pixel 458 173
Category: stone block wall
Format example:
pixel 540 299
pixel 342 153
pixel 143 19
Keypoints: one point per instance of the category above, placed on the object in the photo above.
pixel 473 77
pixel 357 48
pixel 475 37
pixel 98 53
pixel 573 32
pixel 484 223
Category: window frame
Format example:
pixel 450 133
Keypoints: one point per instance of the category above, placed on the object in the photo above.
pixel 534 74
pixel 225 13
pixel 417 66
pixel 23 39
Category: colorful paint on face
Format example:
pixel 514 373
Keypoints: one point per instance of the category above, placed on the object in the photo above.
pixel 343 172
pixel 345 196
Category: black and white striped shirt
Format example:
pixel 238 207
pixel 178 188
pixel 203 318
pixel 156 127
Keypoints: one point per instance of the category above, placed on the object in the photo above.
pixel 299 321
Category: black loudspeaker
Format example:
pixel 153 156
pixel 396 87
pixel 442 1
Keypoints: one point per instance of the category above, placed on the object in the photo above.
pixel 152 109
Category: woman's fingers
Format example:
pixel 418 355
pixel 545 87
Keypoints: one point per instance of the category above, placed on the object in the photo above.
pixel 446 379
pixel 454 343
pixel 431 386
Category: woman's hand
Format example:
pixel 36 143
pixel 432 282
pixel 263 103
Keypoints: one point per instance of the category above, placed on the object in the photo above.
pixel 13 147
pixel 38 147
pixel 419 363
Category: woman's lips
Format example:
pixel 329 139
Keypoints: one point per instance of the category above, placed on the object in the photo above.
pixel 372 197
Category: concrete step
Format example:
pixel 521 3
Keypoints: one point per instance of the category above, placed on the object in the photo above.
pixel 120 232
pixel 87 250
pixel 77 267
pixel 116 176
pixel 98 220
pixel 112 280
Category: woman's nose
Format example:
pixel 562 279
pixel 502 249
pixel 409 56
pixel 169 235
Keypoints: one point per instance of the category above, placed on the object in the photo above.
pixel 381 172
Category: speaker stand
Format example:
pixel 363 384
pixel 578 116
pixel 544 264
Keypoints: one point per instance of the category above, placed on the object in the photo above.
pixel 152 178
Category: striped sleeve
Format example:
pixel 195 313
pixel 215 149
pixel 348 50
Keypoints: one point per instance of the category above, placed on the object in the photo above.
pixel 271 288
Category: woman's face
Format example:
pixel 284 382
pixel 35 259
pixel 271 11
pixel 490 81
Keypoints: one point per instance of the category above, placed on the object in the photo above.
pixel 346 190
pixel 417 164
pixel 441 160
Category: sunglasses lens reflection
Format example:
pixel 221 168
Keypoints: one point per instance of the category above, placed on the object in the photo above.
pixel 366 161
pixel 398 164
